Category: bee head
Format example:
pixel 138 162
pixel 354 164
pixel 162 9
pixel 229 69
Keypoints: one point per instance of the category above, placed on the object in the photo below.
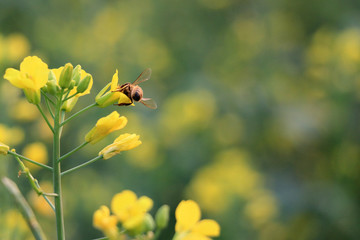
pixel 137 93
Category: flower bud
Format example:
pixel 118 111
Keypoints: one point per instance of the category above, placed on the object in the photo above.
pixel 52 87
pixel 84 83
pixel 4 148
pixel 66 75
pixel 33 96
pixel 148 223
pixel 162 217
pixel 76 75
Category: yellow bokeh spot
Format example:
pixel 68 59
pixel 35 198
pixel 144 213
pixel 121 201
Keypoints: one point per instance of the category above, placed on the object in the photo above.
pixel 11 136
pixel 261 208
pixel 23 111
pixel 35 151
pixel 38 203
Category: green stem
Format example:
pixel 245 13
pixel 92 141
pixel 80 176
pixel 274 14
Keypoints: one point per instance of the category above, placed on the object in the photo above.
pixel 67 98
pixel 47 121
pixel 25 209
pixel 57 171
pixel 82 165
pixel 46 96
pixel 78 113
pixel 49 108
pixel 29 160
pixel 72 151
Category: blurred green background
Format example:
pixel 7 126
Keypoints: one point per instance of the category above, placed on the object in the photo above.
pixel 257 119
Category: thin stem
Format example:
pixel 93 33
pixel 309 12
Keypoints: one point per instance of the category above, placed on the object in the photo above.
pixel 82 165
pixel 46 119
pixel 46 96
pixel 49 108
pixel 72 151
pixel 78 113
pixel 25 209
pixel 67 98
pixel 46 198
pixel 57 171
pixel 29 160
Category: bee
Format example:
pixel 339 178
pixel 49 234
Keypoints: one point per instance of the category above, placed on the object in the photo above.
pixel 135 93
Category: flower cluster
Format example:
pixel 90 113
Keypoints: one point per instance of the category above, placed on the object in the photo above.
pixel 131 217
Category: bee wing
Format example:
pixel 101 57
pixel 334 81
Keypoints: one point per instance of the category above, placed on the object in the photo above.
pixel 150 103
pixel 144 76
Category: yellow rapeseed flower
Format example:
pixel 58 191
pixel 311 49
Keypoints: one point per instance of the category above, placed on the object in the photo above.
pixel 129 209
pixel 110 97
pixel 123 143
pixel 32 76
pixel 190 227
pixel 105 126
pixel 105 222
pixel 4 148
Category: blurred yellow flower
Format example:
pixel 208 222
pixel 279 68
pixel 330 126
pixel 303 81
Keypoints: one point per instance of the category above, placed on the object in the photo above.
pixel 4 148
pixel 13 224
pixel 17 47
pixel 105 222
pixel 190 227
pixel 35 151
pixel 110 97
pixel 32 76
pixel 23 111
pixel 11 136
pixel 39 203
pixel 124 142
pixel 261 208
pixel 129 209
pixel 105 126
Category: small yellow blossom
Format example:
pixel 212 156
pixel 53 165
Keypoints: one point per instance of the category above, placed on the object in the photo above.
pixel 110 97
pixel 105 126
pixel 129 209
pixel 11 135
pixel 32 76
pixel 4 148
pixel 36 151
pixel 105 222
pixel 124 142
pixel 190 227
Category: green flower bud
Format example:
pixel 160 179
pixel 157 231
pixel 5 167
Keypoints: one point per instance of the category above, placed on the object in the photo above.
pixel 162 217
pixel 72 85
pixel 51 76
pixel 148 224
pixel 52 87
pixel 45 88
pixel 66 75
pixel 76 75
pixel 84 84
pixel 33 96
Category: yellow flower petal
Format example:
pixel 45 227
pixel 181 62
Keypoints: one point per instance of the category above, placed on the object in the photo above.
pixel 114 81
pixel 4 148
pixel 121 203
pixel 145 203
pixel 187 215
pixel 15 77
pixel 105 126
pixel 36 71
pixel 207 227
pixel 195 236
pixel 103 221
pixel 124 142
